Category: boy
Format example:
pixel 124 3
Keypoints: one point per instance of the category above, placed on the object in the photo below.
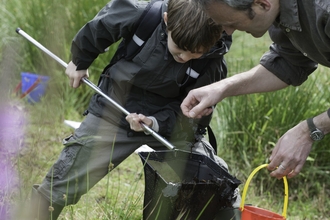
pixel 151 85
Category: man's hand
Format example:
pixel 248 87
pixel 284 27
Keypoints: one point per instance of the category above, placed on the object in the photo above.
pixel 74 75
pixel 199 102
pixel 135 121
pixel 291 151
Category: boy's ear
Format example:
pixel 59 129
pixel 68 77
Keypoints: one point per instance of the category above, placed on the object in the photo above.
pixel 165 17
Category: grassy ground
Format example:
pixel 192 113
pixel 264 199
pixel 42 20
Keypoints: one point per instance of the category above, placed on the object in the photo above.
pixel 118 196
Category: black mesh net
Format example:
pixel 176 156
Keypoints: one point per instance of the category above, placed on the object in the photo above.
pixel 183 185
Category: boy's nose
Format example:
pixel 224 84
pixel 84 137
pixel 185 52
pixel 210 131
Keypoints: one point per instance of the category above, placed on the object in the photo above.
pixel 186 56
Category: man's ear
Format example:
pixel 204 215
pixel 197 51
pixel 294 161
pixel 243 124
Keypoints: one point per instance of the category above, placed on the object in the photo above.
pixel 165 17
pixel 264 4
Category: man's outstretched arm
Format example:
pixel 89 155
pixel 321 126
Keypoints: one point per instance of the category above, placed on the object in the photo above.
pixel 257 80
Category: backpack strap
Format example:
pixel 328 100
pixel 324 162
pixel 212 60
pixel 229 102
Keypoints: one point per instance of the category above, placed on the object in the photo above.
pixel 143 29
pixel 193 72
pixel 149 20
pixel 212 139
pixel 198 69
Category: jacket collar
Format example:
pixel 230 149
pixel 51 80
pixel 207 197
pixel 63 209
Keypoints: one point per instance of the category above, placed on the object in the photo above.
pixel 220 48
pixel 289 16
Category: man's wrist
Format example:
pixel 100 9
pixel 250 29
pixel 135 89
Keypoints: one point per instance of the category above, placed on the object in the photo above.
pixel 315 133
pixel 320 125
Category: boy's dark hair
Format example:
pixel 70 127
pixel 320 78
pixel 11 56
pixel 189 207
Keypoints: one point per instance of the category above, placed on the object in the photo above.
pixel 191 29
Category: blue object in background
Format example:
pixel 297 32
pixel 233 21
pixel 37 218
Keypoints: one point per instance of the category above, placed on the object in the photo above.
pixel 33 86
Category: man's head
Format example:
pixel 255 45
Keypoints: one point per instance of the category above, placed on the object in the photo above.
pixel 252 16
pixel 191 33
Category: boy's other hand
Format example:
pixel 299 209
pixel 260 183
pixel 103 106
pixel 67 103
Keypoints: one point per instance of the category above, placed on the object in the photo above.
pixel 74 75
pixel 135 121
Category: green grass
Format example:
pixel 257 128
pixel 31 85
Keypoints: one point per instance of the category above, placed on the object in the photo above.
pixel 247 127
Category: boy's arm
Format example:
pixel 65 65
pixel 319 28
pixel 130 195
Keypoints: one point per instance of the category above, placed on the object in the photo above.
pixel 113 22
pixel 162 121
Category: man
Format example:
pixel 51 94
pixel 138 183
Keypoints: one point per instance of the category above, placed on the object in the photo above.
pixel 300 30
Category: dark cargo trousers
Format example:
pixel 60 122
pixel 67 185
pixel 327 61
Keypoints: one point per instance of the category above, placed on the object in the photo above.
pixel 94 149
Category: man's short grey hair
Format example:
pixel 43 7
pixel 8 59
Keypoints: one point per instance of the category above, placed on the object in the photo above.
pixel 236 4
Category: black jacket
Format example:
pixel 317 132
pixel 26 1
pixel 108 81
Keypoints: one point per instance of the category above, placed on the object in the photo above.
pixel 152 83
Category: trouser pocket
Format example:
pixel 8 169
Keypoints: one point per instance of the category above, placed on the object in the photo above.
pixel 66 159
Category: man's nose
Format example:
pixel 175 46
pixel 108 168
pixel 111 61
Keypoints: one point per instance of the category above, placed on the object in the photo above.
pixel 228 30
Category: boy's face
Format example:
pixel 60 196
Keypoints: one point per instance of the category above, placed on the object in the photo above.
pixel 180 55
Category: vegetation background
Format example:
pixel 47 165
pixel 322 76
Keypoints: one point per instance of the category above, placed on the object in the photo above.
pixel 247 127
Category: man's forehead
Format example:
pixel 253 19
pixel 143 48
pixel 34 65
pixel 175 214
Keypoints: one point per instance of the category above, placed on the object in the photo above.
pixel 223 14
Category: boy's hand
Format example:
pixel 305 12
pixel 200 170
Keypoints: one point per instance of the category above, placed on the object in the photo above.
pixel 135 121
pixel 74 75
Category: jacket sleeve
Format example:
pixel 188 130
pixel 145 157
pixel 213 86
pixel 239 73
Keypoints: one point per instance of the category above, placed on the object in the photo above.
pixel 167 118
pixel 286 62
pixel 114 21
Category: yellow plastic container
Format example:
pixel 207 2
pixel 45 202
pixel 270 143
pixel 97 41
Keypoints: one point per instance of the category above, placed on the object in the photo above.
pixel 256 213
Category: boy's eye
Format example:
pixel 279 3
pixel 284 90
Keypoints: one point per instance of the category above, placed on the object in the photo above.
pixel 179 48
